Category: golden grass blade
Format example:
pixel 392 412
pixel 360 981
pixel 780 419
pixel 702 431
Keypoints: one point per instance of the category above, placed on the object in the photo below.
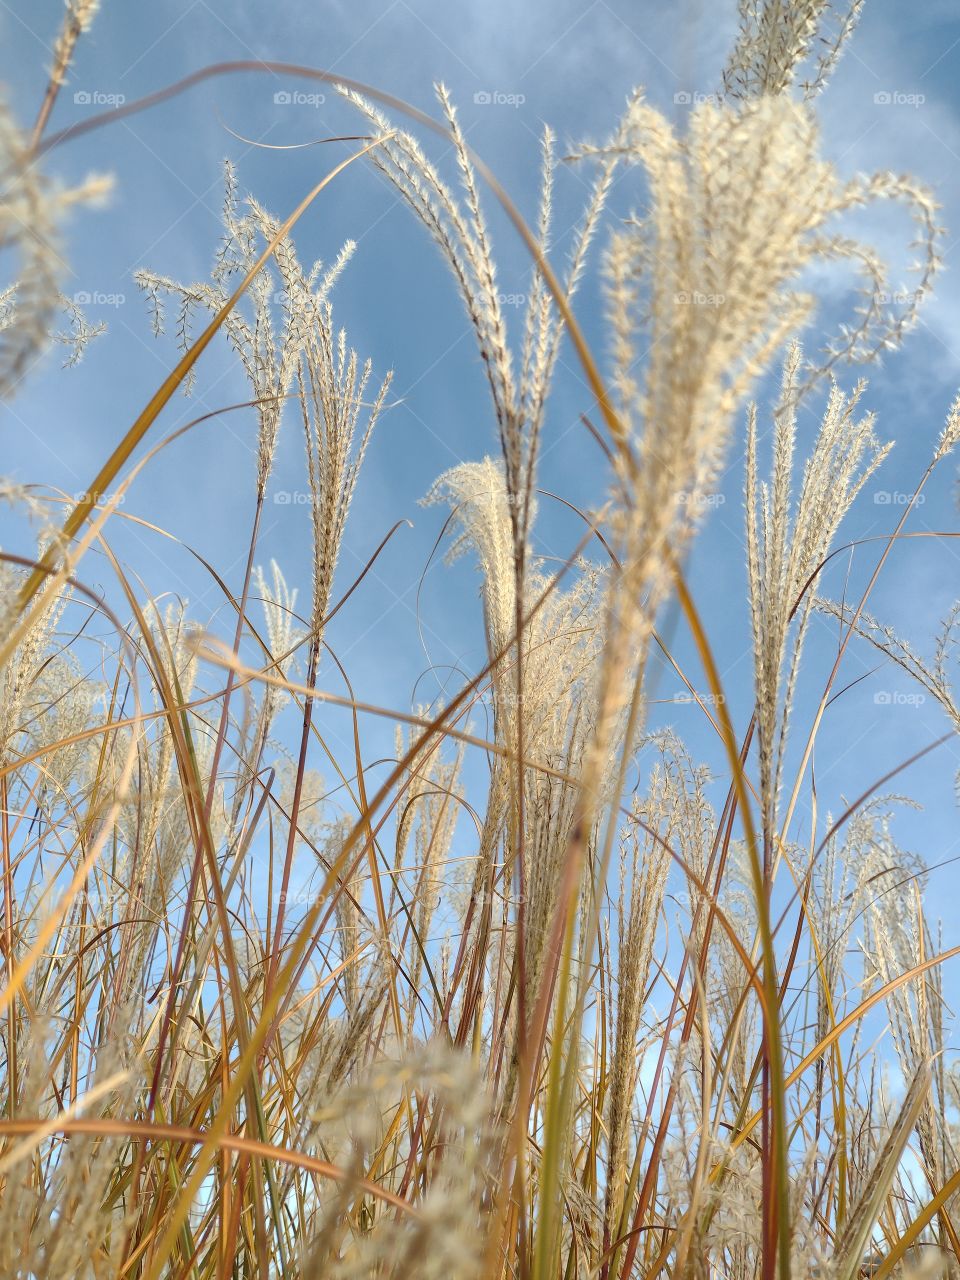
pixel 845 1023
pixel 852 1243
pixel 20 1150
pixel 109 1126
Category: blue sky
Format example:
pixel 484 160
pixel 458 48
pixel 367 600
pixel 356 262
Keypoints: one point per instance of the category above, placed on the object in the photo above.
pixel 569 64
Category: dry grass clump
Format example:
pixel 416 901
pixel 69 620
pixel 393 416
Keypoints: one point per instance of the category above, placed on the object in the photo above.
pixel 604 1015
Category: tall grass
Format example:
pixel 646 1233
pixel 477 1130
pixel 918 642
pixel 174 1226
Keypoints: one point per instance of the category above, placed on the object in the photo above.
pixel 580 1025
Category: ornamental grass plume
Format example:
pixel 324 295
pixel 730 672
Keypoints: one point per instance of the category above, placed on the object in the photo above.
pixel 519 382
pixel 776 40
pixel 331 385
pixel 425 833
pixel 786 550
pixel 32 210
pixel 644 864
pixel 269 352
pixel 560 649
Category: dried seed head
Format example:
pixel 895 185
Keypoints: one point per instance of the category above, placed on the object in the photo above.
pixel 776 40
pixel 31 212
